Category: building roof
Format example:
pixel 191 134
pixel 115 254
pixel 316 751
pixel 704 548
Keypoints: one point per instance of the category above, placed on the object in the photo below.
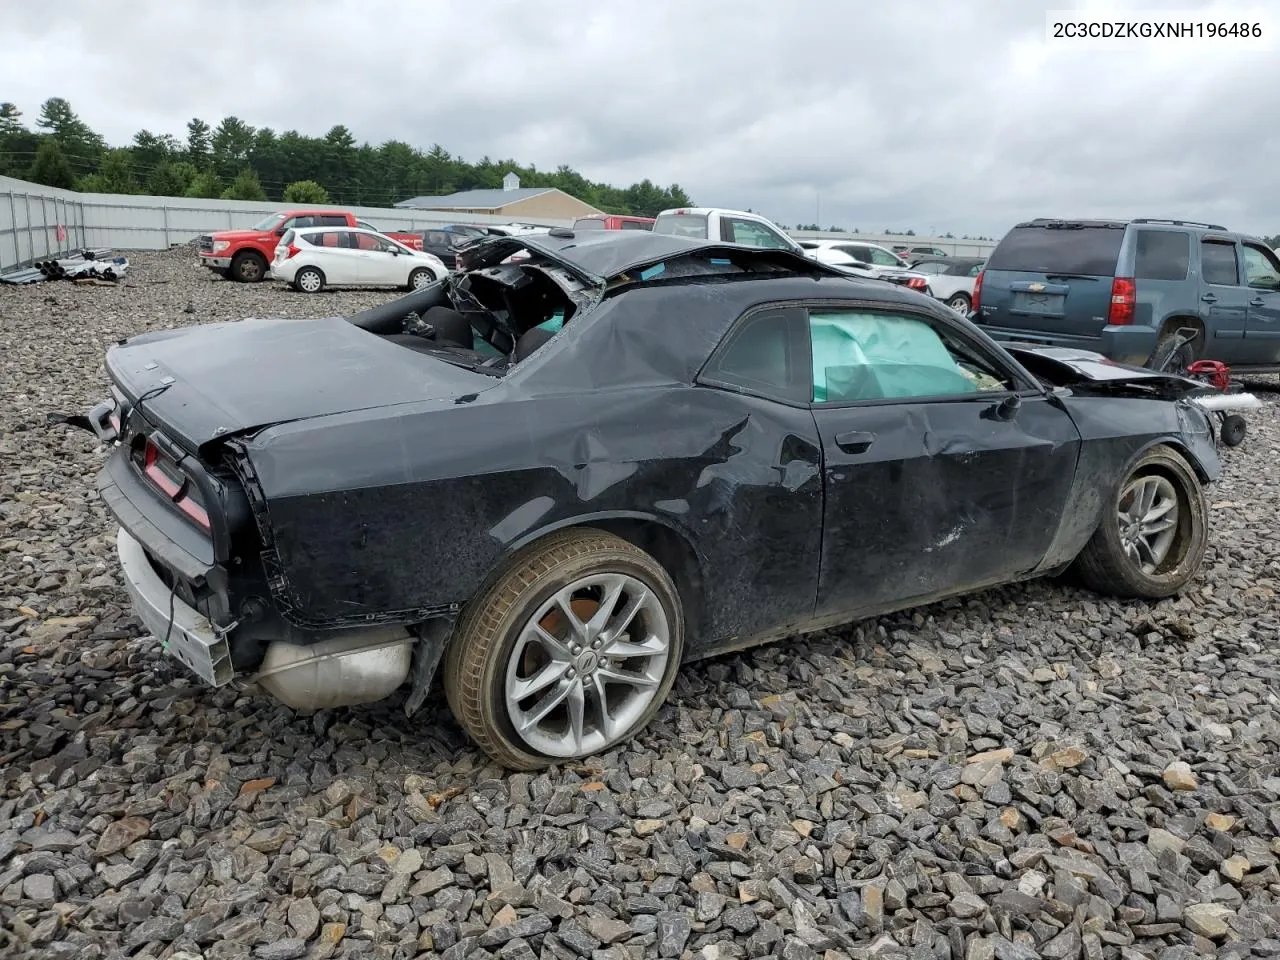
pixel 475 199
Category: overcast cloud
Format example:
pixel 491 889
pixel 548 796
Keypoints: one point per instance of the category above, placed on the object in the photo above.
pixel 931 115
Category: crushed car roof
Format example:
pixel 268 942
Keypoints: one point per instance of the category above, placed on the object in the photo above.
pixel 600 256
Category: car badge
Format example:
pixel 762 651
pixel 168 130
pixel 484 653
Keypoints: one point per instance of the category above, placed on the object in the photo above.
pixel 1036 287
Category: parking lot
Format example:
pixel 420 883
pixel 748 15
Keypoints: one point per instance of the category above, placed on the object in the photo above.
pixel 1031 771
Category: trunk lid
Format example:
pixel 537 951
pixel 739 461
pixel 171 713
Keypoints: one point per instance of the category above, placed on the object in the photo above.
pixel 205 383
pixel 1052 278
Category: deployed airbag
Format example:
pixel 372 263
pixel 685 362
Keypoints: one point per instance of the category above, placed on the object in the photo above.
pixel 867 356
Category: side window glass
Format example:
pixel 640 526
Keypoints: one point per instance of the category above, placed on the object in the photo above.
pixel 1260 269
pixel 883 356
pixel 752 234
pixel 365 241
pixel 287 224
pixel 763 354
pixel 882 258
pixel 1162 255
pixel 1218 263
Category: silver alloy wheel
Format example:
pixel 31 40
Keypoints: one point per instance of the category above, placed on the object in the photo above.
pixel 587 665
pixel 421 278
pixel 1148 519
pixel 309 281
pixel 958 304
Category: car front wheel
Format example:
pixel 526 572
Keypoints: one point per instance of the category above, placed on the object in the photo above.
pixel 420 278
pixel 568 653
pixel 1152 538
pixel 960 304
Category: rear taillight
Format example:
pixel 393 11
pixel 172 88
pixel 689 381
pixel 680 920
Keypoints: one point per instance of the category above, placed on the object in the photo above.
pixel 1124 300
pixel 161 471
pixel 293 251
pixel 917 283
pixel 976 299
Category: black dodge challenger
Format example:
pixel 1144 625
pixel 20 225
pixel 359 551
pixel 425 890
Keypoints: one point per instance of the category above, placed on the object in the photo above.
pixel 557 477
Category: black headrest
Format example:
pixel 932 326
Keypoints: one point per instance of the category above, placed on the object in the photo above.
pixel 530 341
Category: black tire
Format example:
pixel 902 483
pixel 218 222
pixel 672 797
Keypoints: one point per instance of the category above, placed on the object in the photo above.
pixel 960 303
pixel 1103 565
pixel 1171 356
pixel 310 274
pixel 1233 430
pixel 420 272
pixel 486 633
pixel 248 267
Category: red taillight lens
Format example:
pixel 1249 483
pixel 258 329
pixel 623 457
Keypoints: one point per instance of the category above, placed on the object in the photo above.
pixel 178 491
pixel 916 283
pixel 293 251
pixel 1124 301
pixel 976 299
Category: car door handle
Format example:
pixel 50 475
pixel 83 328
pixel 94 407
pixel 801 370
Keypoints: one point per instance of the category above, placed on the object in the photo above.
pixel 1256 302
pixel 1209 298
pixel 855 441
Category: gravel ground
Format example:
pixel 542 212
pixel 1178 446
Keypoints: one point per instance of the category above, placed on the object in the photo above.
pixel 1030 772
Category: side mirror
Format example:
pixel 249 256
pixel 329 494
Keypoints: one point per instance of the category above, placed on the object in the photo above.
pixel 1008 408
pixel 395 251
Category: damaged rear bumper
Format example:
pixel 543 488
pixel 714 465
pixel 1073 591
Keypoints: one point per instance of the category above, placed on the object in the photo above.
pixel 185 632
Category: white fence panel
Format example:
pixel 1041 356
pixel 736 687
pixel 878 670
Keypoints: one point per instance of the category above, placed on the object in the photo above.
pixel 38 222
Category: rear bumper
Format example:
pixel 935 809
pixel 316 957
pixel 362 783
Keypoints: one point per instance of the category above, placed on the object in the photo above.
pixel 1125 344
pixel 186 634
pixel 215 263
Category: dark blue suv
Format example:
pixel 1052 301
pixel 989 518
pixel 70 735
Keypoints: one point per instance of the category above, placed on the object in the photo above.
pixel 1156 293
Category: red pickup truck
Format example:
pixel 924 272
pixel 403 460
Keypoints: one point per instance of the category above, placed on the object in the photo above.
pixel 244 254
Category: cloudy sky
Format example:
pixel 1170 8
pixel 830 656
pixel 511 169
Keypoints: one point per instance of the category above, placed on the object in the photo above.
pixel 926 114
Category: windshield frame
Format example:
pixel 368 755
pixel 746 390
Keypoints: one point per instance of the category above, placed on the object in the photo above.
pixel 269 224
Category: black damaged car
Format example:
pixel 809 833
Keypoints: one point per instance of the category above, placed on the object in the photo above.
pixel 557 479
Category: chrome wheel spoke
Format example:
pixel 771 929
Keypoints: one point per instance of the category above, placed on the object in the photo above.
pixel 545 706
pixel 612 588
pixel 518 689
pixel 622 623
pixel 554 646
pixel 638 680
pixel 624 649
pixel 564 603
pixel 577 701
pixel 602 705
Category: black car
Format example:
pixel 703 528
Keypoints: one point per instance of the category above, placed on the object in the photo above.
pixel 444 242
pixel 570 474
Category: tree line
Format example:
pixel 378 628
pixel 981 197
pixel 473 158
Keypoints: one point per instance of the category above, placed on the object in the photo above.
pixel 235 161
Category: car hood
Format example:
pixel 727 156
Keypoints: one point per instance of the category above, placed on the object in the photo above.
pixel 1066 366
pixel 210 382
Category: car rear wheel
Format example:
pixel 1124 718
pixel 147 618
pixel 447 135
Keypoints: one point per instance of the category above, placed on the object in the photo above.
pixel 1171 355
pixel 309 280
pixel 420 278
pixel 568 653
pixel 248 267
pixel 1152 538
pixel 960 304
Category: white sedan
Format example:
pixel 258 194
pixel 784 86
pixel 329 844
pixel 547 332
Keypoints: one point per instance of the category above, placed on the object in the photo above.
pixel 312 258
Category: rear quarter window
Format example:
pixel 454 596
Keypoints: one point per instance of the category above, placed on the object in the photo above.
pixel 682 225
pixel 1089 251
pixel 1162 255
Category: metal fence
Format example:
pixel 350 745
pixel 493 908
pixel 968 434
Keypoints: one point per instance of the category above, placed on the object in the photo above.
pixel 37 222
